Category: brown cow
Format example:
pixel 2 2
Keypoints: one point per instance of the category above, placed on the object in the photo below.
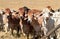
pixel 25 26
pixel 5 20
pixel 36 24
pixel 22 13
pixel 13 21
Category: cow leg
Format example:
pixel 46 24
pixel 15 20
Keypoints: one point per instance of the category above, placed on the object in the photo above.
pixel 44 29
pixel 27 36
pixel 55 37
pixel 6 27
pixel 35 36
pixel 52 36
pixel 41 34
pixel 18 31
pixel 12 31
pixel 21 26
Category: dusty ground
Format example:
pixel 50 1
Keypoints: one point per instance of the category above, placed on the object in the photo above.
pixel 8 35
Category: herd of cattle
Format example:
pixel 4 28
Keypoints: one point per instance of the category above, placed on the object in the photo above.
pixel 31 21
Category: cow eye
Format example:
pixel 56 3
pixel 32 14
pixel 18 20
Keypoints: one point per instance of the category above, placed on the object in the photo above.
pixel 17 13
pixel 3 12
pixel 41 14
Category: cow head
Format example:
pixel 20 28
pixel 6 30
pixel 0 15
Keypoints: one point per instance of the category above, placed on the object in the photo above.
pixel 33 14
pixel 23 12
pixel 30 16
pixel 7 11
pixel 2 12
pixel 49 7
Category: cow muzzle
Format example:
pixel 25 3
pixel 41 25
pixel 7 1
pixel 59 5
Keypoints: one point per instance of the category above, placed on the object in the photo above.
pixel 47 18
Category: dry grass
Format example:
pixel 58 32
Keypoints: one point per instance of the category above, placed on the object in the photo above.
pixel 33 4
pixel 4 35
pixel 8 35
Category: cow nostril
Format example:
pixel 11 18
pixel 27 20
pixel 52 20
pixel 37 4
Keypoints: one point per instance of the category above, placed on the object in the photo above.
pixel 7 16
pixel 47 18
pixel 17 13
pixel 28 21
pixel 21 17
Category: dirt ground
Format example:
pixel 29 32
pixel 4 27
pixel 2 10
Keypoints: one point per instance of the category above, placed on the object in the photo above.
pixel 8 35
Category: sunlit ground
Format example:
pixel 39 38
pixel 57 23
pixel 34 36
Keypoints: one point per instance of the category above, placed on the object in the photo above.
pixel 8 35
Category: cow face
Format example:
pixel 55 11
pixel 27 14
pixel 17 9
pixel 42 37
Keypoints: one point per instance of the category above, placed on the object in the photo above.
pixel 15 15
pixel 21 12
pixel 33 14
pixel 46 16
pixel 7 11
pixel 30 16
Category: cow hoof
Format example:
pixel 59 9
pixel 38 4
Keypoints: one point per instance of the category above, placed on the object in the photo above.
pixel 24 35
pixel 5 32
pixel 12 34
pixel 18 35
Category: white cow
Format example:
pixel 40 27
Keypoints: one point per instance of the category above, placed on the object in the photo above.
pixel 5 20
pixel 53 22
pixel 1 20
pixel 45 14
pixel 47 24
pixel 56 17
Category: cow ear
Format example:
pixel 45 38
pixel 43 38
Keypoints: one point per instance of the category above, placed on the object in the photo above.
pixel 16 12
pixel 3 12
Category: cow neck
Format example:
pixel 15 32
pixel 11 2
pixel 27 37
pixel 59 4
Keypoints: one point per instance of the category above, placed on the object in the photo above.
pixel 10 15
